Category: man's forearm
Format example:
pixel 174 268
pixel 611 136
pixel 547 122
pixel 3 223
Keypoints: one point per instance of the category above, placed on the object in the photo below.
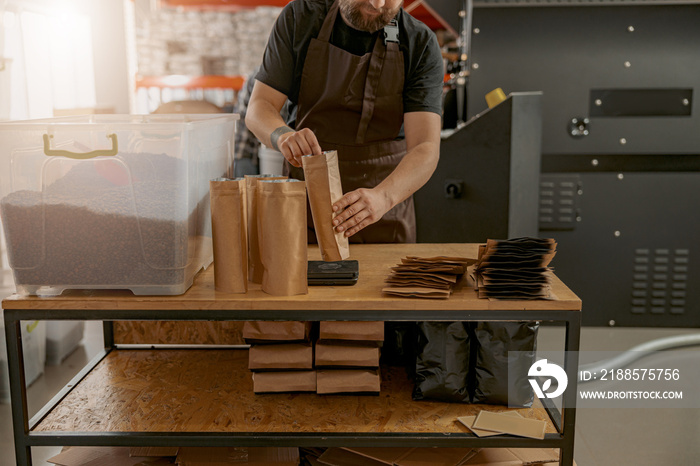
pixel 262 119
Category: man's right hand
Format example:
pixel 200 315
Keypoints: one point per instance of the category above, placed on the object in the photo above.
pixel 294 145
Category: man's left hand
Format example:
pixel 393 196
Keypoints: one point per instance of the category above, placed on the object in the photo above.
pixel 359 208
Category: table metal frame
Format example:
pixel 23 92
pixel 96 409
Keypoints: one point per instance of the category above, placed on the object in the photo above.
pixel 25 438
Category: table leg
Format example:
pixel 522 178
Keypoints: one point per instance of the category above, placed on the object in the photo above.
pixel 18 389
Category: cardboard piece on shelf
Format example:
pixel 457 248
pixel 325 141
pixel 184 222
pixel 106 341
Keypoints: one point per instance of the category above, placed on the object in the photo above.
pixel 153 451
pixel 523 427
pixel 239 456
pixel 334 354
pixel 468 422
pixel 282 356
pixel 351 330
pixel 104 456
pixel 282 382
pixel 275 332
pixel 436 457
pixel 347 381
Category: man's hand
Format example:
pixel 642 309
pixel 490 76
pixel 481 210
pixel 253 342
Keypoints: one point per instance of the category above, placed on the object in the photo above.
pixel 359 208
pixel 294 145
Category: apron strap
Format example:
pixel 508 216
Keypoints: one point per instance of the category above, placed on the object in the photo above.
pixel 327 28
pixel 389 40
pixel 371 84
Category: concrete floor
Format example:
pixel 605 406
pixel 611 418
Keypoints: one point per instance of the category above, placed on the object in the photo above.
pixel 603 437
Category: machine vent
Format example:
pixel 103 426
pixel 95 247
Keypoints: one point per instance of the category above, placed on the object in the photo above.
pixel 558 201
pixel 660 281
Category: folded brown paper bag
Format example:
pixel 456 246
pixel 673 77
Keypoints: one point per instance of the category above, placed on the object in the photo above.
pixel 287 381
pixel 282 236
pixel 336 354
pixel 347 381
pixel 229 234
pixel 272 331
pixel 255 269
pixel 351 330
pixel 280 357
pixel 323 186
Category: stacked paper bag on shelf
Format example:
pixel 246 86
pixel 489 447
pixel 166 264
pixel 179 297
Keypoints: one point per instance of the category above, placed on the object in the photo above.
pixel 515 268
pixel 281 356
pixel 426 277
pixel 347 357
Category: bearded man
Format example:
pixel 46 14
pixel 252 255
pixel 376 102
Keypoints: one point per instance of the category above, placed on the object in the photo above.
pixel 364 78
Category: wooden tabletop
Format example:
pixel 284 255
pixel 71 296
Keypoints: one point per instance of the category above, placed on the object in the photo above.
pixel 375 261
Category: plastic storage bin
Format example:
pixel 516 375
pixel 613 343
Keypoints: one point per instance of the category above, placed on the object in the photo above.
pixel 270 160
pixel 34 347
pixel 4 84
pixel 111 201
pixel 62 338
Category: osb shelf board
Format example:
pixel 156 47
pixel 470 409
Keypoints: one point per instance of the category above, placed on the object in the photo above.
pixel 375 262
pixel 212 391
pixel 178 333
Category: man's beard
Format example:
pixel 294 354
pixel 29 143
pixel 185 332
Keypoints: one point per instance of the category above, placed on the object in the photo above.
pixel 352 13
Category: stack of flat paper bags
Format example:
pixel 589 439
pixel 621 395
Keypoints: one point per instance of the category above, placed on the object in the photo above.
pixel 426 277
pixel 515 268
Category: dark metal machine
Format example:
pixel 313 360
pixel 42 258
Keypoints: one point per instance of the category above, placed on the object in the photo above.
pixel 619 184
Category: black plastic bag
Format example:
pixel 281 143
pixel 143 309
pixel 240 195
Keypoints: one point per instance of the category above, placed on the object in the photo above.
pixel 442 363
pixel 399 347
pixel 492 342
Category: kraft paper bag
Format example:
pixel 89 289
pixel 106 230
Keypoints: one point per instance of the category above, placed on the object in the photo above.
pixel 351 330
pixel 282 236
pixel 273 331
pixel 280 357
pixel 229 234
pixel 323 186
pixel 347 355
pixel 347 381
pixel 288 381
pixel 255 269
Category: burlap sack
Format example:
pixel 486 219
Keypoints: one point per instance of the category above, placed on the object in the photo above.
pixel 255 269
pixel 282 236
pixel 229 234
pixel 323 187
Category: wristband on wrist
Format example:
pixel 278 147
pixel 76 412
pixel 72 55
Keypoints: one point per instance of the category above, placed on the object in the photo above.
pixel 274 137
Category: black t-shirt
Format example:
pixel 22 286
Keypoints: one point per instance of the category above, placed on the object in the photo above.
pixel 301 20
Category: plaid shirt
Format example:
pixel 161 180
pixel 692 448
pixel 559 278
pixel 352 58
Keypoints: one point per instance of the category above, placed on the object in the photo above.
pixel 247 144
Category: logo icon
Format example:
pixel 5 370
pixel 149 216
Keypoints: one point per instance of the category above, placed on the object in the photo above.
pixel 542 368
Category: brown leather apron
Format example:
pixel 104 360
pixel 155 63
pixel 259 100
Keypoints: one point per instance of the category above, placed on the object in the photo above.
pixel 354 104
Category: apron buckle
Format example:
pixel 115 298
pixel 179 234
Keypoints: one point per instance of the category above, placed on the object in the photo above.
pixel 391 32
